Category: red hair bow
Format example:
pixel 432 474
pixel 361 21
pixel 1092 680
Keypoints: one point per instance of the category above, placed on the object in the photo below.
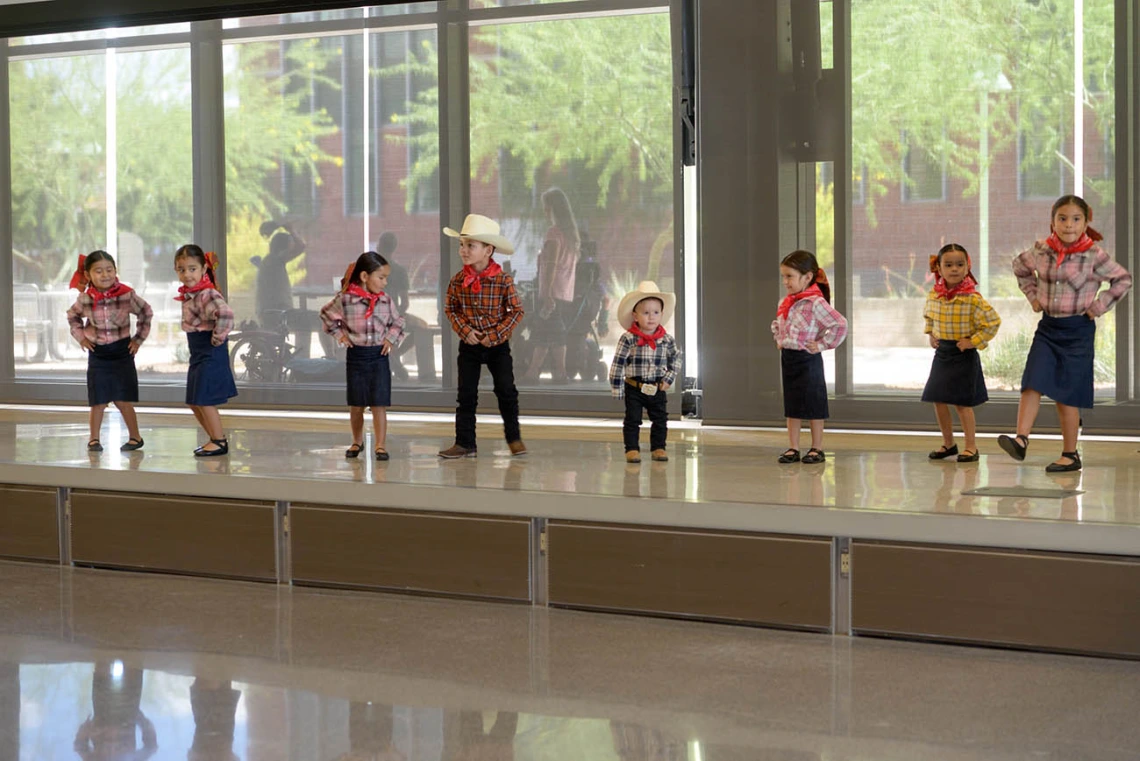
pixel 79 279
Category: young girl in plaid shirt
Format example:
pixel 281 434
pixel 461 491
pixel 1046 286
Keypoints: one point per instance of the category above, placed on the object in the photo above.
pixel 207 320
pixel 960 323
pixel 645 365
pixel 805 325
pixel 100 321
pixel 364 318
pixel 1061 277
pixel 483 310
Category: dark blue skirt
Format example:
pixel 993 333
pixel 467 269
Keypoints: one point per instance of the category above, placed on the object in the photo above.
pixel 210 381
pixel 111 374
pixel 805 388
pixel 369 379
pixel 956 377
pixel 1060 363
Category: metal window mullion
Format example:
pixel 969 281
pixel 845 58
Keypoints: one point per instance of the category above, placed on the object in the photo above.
pixel 209 142
pixel 844 355
pixel 7 328
pixel 1127 38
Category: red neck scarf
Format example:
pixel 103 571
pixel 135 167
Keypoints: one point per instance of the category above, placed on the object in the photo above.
pixel 786 304
pixel 356 290
pixel 184 292
pixel 965 285
pixel 471 278
pixel 116 290
pixel 1079 246
pixel 644 338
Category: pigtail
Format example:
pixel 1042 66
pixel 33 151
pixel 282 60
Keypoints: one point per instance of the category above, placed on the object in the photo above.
pixel 349 277
pixel 1093 233
pixel 824 285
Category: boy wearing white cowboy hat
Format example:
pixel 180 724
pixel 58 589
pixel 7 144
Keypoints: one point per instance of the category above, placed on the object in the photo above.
pixel 645 365
pixel 483 309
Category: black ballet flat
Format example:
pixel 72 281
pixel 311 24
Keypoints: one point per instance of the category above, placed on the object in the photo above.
pixel 223 448
pixel 381 454
pixel 789 456
pixel 94 446
pixel 132 444
pixel 943 452
pixel 1066 468
pixel 969 455
pixel 1013 447
pixel 814 456
pixel 353 450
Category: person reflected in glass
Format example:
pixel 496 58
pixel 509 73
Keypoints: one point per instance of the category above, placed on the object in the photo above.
pixel 590 320
pixel 117 729
pixel 557 265
pixel 100 321
pixel 419 333
pixel 214 704
pixel 959 323
pixel 1061 277
pixel 273 291
pixel 806 324
pixel 633 742
pixel 466 739
pixel 370 733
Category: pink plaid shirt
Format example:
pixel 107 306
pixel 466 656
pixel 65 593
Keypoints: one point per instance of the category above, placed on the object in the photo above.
pixel 810 319
pixel 110 320
pixel 1072 288
pixel 344 315
pixel 207 310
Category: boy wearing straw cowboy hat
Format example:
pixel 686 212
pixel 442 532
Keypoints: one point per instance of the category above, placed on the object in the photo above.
pixel 483 310
pixel 645 365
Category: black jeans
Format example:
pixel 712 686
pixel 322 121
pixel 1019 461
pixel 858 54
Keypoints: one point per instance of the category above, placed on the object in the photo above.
pixel 498 361
pixel 658 415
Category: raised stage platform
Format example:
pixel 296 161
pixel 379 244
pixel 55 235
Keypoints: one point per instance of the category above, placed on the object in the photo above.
pixel 878 540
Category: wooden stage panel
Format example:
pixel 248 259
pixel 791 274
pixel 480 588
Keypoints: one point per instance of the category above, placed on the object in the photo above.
pixel 405 551
pixel 29 523
pixel 754 578
pixel 206 536
pixel 1044 601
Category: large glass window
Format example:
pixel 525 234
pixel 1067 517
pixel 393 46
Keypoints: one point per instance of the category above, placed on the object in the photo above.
pixel 571 120
pixel 988 141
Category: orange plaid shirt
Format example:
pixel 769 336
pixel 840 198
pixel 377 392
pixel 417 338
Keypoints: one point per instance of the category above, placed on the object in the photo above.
pixel 495 311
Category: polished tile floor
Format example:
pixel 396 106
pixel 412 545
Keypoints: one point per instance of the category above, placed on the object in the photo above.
pixel 865 471
pixel 111 665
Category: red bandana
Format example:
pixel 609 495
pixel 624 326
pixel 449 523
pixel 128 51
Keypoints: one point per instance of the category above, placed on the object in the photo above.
pixel 471 278
pixel 368 296
pixel 116 290
pixel 965 285
pixel 1081 245
pixel 185 291
pixel 786 304
pixel 646 338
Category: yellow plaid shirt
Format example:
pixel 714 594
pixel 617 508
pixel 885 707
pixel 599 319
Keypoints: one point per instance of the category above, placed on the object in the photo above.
pixel 964 316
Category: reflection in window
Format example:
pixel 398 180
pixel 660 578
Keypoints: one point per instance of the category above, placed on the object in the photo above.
pixel 924 176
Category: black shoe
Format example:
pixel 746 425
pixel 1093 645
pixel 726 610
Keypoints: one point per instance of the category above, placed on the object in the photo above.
pixel 223 448
pixel 970 455
pixel 789 455
pixel 131 445
pixel 94 446
pixel 1013 447
pixel 813 456
pixel 381 454
pixel 353 450
pixel 1054 467
pixel 943 452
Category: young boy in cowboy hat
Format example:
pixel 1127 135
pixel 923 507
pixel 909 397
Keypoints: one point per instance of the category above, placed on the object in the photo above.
pixel 645 365
pixel 484 310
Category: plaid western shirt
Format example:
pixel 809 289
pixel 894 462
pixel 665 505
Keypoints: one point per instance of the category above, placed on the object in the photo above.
pixel 495 311
pixel 1072 288
pixel 810 319
pixel 964 316
pixel 110 319
pixel 207 310
pixel 651 365
pixel 344 315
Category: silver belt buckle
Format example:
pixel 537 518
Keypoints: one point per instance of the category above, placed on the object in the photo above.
pixel 649 389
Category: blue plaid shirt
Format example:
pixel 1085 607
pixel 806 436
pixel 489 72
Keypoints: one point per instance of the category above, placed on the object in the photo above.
pixel 658 365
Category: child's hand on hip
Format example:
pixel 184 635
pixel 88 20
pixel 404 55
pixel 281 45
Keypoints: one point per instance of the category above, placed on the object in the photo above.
pixel 933 341
pixel 386 348
pixel 812 347
pixel 87 344
pixel 1090 315
pixel 1036 305
pixel 965 344
pixel 134 347
pixel 344 340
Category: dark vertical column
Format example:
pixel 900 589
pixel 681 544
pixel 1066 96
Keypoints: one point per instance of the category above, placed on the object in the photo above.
pixel 454 156
pixel 7 336
pixel 209 138
pixel 1127 195
pixel 747 187
pixel 9 710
